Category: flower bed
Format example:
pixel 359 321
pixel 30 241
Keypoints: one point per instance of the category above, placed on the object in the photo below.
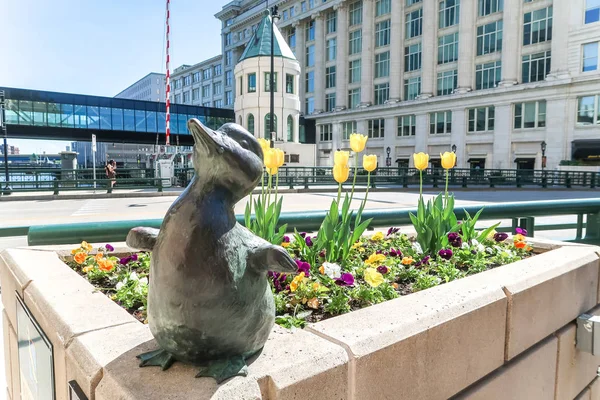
pixel 379 268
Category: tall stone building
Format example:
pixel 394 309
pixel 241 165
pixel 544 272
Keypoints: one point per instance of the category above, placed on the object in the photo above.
pixel 492 79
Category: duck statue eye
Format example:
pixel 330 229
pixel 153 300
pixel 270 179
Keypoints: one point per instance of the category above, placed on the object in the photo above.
pixel 244 144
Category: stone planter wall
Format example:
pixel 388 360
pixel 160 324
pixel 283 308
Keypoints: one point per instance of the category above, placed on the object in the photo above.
pixel 508 333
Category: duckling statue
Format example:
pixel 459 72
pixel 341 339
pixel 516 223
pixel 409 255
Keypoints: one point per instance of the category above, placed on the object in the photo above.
pixel 209 301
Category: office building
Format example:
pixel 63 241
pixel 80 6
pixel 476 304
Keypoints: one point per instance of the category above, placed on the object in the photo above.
pixel 200 84
pixel 150 88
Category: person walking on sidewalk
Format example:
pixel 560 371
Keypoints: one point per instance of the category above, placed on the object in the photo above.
pixel 111 172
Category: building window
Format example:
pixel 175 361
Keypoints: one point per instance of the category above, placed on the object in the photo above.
pixel 530 115
pixel 196 94
pixel 310 105
pixel 414 23
pixel 267 129
pixel 217 89
pixel 218 70
pixel 536 66
pixel 355 42
pixel 310 56
pixel 447 82
pixel 382 93
pixel 329 102
pixel 440 123
pixel 449 13
pixel 487 75
pixel 290 128
pixel 353 98
pixel 310 31
pixel 382 33
pixel 325 133
pixel 412 88
pixel 206 91
pixel 186 97
pixel 348 128
pixel 303 6
pixel 228 98
pixel 487 7
pixel 251 123
pixel 228 39
pixel 411 2
pixel 228 78
pixel 331 22
pixel 268 82
pixel 383 7
pixel 355 13
pixel 406 125
pixel 489 38
pixel 412 57
pixel 592 11
pixel 289 83
pixel 376 128
pixel 538 26
pixel 206 104
pixel 590 56
pixel 252 83
pixel 196 77
pixel 588 110
pixel 206 74
pixel 354 71
pixel 176 84
pixel 331 49
pixel 285 15
pixel 382 64
pixel 481 119
pixel 218 103
pixel 228 58
pixel 310 81
pixel 292 37
pixel 448 48
pixel 330 77
pixel 311 3
pixel 177 99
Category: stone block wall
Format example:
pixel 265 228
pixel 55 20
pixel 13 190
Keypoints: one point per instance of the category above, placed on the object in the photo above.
pixel 508 333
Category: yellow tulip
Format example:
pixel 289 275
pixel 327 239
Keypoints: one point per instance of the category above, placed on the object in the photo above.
pixel 271 161
pixel 341 157
pixel 340 172
pixel 421 161
pixel 448 160
pixel 264 144
pixel 370 162
pixel 280 157
pixel 358 142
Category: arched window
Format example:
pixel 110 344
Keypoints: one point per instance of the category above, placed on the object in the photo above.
pixel 251 123
pixel 290 128
pixel 267 129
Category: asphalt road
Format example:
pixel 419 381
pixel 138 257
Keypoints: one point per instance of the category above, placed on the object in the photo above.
pixel 72 211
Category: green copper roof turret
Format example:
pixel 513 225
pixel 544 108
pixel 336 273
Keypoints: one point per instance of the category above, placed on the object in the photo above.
pixel 260 43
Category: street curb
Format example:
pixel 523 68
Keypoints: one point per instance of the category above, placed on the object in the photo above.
pixel 281 191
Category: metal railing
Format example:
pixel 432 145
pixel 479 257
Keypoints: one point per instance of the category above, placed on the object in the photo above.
pixel 521 214
pixel 294 177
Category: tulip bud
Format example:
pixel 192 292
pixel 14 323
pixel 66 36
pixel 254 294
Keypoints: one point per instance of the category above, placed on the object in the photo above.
pixel 340 172
pixel 369 162
pixel 341 157
pixel 421 161
pixel 448 160
pixel 358 142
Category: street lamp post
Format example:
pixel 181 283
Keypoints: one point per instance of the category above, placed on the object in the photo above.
pixel 388 159
pixel 543 146
pixel 274 16
pixel 7 188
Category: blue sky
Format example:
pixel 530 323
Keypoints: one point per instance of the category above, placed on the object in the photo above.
pixel 99 47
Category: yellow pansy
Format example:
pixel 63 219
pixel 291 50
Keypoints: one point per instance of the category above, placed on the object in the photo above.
pixel 285 244
pixel 86 246
pixel 421 161
pixel 88 268
pixel 378 236
pixel 357 245
pixel 341 172
pixel 407 260
pixel 297 280
pixel 519 238
pixel 341 157
pixel 375 259
pixel 370 162
pixel 358 142
pixel 313 303
pixel 490 235
pixel 448 160
pixel 372 277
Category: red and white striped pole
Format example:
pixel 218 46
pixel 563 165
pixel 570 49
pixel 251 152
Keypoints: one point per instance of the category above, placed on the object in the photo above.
pixel 168 81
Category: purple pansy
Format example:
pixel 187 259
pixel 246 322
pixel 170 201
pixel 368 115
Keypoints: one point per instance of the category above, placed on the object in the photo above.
pixel 124 260
pixel 500 237
pixel 303 234
pixel 278 280
pixel 109 248
pixel 382 269
pixel 392 231
pixel 345 280
pixel 446 254
pixel 303 267
pixel 424 261
pixel 454 239
pixel 322 254
pixel 286 239
pixel 521 231
pixel 308 241
pixel 133 257
pixel 395 253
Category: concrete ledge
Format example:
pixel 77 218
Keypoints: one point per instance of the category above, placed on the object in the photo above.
pixel 429 345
